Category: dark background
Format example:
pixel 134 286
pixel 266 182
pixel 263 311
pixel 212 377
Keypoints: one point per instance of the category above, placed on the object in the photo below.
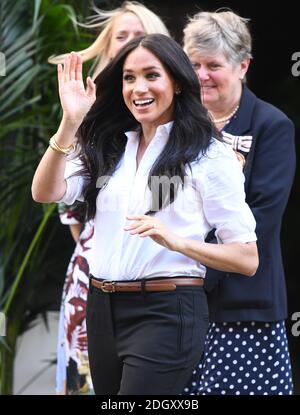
pixel 275 39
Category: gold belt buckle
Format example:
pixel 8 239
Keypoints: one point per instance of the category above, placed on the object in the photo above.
pixel 107 283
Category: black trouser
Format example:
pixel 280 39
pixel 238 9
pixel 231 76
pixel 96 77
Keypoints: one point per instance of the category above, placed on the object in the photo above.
pixel 145 343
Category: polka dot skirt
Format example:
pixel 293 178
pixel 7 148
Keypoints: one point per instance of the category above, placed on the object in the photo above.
pixel 248 358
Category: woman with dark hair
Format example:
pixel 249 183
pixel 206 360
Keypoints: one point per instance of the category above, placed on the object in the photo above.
pixel 153 176
pixel 116 27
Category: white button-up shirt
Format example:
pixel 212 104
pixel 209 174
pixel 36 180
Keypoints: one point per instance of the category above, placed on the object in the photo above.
pixel 213 197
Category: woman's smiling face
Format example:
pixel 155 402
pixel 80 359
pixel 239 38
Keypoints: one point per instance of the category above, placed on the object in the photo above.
pixel 220 79
pixel 148 88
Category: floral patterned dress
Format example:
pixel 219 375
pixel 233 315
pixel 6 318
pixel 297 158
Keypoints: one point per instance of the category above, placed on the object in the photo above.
pixel 73 373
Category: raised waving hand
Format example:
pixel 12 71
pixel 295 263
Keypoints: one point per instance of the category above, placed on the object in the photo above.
pixel 75 98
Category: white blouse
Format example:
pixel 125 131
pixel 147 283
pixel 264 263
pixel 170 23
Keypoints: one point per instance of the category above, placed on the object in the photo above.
pixel 213 197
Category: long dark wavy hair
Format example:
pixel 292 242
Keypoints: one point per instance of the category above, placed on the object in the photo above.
pixel 102 137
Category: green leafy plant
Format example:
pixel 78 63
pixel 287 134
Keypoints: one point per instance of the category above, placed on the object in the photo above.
pixel 33 245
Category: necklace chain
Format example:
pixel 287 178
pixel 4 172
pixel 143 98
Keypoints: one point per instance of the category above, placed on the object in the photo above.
pixel 224 119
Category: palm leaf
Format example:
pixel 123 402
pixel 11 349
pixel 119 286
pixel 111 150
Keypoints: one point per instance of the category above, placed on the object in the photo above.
pixel 28 115
pixel 17 110
pixel 20 273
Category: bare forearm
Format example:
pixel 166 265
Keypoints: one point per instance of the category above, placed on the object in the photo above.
pixel 236 257
pixel 75 230
pixel 49 183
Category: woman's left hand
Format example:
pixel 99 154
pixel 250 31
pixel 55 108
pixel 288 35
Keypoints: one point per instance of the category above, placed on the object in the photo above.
pixel 145 225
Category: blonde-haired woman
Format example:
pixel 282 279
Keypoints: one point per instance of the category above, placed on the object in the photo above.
pixel 246 350
pixel 117 27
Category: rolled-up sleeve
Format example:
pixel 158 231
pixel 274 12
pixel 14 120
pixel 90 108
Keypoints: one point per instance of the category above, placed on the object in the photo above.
pixel 223 196
pixel 75 183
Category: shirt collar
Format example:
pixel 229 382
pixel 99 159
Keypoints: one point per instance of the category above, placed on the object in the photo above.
pixel 162 133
